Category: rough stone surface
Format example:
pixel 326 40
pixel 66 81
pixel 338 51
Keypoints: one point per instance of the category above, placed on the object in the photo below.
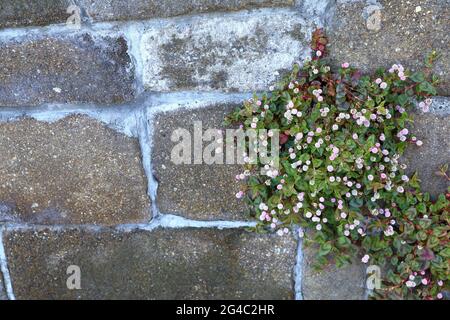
pixel 434 131
pixel 406 36
pixel 197 191
pixel 236 52
pixel 332 283
pixel 72 68
pixel 72 171
pixel 3 295
pixel 44 12
pixel 161 264
pixel 15 13
pixel 104 10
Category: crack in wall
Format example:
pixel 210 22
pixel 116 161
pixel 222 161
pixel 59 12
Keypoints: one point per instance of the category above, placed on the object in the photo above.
pixel 298 268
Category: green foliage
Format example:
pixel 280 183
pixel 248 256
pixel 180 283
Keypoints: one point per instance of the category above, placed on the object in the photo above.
pixel 341 136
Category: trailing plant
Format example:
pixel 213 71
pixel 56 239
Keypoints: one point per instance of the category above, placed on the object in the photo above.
pixel 340 176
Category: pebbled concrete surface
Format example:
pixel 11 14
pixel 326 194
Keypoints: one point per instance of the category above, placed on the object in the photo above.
pixel 237 52
pixel 196 191
pixel 65 68
pixel 161 264
pixel 73 171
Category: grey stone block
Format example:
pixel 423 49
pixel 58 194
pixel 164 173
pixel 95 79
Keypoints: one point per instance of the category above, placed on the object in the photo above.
pixel 18 13
pixel 434 130
pixel 73 67
pixel 107 10
pixel 73 171
pixel 197 191
pixel 160 264
pixel 406 35
pixel 243 51
pixel 331 283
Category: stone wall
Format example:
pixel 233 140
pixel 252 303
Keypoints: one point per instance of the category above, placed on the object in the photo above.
pixel 86 115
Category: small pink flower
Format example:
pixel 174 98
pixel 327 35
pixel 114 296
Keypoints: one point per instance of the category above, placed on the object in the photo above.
pixel 365 259
pixel 424 282
pixel 424 106
pixel 345 65
pixel 240 194
pixel 318 53
pixel 419 143
pixel 439 295
pixel 383 85
pixel 378 81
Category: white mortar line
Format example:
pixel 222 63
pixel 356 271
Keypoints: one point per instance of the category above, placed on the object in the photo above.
pixel 367 292
pixel 145 134
pixel 121 118
pixel 5 270
pixel 170 221
pixel 167 221
pixel 166 102
pixel 133 34
pixel 298 269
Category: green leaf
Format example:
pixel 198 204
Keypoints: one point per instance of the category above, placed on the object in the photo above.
pixel 317 163
pixel 325 249
pixel 402 99
pixel 427 88
pixel 421 207
pixel 418 77
pixel 445 253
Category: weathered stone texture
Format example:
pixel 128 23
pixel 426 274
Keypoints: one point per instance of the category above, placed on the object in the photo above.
pixel 3 295
pixel 160 264
pixel 15 13
pixel 331 283
pixel 144 9
pixel 406 35
pixel 434 130
pixel 197 191
pixel 234 52
pixel 72 171
pixel 73 68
